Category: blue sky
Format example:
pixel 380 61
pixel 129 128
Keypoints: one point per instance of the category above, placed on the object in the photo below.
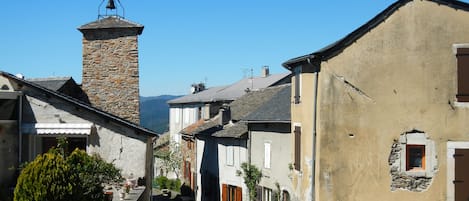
pixel 184 41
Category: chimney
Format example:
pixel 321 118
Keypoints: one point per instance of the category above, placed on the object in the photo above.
pixel 225 115
pixel 196 88
pixel 265 71
pixel 110 66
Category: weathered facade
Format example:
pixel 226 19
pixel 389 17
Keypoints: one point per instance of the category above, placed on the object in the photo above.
pixel 270 147
pixel 223 145
pixel 110 66
pixel 189 112
pixel 37 116
pixel 380 113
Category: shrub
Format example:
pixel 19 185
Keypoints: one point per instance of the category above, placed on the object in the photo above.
pixel 52 177
pixel 45 179
pixel 163 182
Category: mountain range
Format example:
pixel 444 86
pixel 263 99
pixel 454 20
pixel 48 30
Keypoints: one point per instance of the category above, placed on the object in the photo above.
pixel 154 112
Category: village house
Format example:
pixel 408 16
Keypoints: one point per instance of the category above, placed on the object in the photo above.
pixel 382 114
pixel 269 146
pixel 223 144
pixel 188 112
pixel 100 117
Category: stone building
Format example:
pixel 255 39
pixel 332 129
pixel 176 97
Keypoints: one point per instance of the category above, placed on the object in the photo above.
pixel 101 116
pixel 110 66
pixel 382 114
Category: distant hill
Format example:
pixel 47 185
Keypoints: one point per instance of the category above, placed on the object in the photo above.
pixel 154 112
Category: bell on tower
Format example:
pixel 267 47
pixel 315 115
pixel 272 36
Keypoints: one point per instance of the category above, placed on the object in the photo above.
pixel 110 76
pixel 111 5
pixel 111 9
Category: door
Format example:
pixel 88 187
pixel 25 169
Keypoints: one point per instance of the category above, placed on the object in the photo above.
pixel 461 175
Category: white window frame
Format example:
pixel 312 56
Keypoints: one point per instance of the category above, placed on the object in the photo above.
pixel 229 155
pixel 267 155
pixel 430 158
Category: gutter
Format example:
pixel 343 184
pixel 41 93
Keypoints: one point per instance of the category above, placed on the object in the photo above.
pixel 315 111
pixel 20 122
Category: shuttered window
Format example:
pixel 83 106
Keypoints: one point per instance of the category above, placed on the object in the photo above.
pixel 297 95
pixel 231 193
pixel 267 155
pixel 229 155
pixel 297 162
pixel 462 56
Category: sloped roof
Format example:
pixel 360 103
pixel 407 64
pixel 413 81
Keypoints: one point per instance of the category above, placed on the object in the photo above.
pixel 239 109
pixel 111 22
pixel 236 130
pixel 230 92
pixel 81 104
pixel 203 127
pixel 52 83
pixel 277 109
pixel 205 96
pixel 250 102
pixel 337 47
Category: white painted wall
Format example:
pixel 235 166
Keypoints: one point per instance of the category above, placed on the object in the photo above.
pixel 200 149
pixel 280 156
pixel 181 116
pixel 113 142
pixel 228 173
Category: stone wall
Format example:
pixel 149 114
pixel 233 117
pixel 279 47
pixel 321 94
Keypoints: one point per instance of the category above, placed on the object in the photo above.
pixel 110 71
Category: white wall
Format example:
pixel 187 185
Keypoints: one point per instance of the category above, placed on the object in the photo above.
pixel 280 155
pixel 113 142
pixel 200 150
pixel 228 173
pixel 181 116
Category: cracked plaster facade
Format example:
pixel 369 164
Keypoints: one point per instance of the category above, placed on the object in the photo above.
pixel 399 75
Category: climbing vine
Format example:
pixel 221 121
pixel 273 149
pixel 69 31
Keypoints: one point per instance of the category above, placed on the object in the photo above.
pixel 252 176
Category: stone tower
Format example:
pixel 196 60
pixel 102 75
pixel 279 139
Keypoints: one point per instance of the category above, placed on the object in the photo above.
pixel 110 66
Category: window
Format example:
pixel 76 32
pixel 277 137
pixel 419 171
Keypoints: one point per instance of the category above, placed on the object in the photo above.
pixel 462 55
pixel 73 143
pixel 415 159
pixel 285 195
pixel 297 73
pixel 231 193
pixel 186 112
pixel 199 113
pixel 176 114
pixel 267 194
pixel 229 155
pixel 297 162
pixel 266 155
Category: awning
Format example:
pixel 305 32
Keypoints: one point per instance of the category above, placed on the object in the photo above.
pixel 57 128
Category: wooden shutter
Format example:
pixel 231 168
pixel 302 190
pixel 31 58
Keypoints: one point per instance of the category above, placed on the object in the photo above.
pixel 239 194
pixel 461 175
pixel 224 192
pixel 297 161
pixel 297 95
pixel 463 74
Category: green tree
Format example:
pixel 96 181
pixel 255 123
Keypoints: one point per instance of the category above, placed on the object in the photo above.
pixel 252 176
pixel 78 177
pixel 171 158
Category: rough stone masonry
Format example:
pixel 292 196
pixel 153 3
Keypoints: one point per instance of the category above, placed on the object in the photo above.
pixel 110 66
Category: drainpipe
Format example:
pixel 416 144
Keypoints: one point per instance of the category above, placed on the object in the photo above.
pixel 315 105
pixel 20 122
